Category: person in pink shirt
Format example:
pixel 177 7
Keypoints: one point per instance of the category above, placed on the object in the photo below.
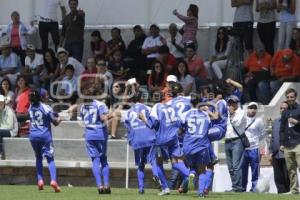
pixel 196 66
pixel 190 24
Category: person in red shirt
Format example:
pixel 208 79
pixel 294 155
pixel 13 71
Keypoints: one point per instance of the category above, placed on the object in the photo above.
pixel 196 66
pixel 87 77
pixel 22 99
pixel 285 66
pixel 257 78
pixel 167 59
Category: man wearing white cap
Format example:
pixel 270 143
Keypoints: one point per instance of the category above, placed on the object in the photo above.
pixel 8 122
pixel 65 59
pixel 255 131
pixel 167 91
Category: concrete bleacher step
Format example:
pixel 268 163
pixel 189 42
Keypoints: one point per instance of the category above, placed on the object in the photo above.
pixel 65 150
pixel 75 130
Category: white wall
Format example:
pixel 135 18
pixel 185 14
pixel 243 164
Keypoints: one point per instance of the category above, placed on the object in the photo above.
pixel 116 12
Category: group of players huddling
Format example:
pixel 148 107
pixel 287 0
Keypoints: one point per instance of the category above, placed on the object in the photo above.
pixel 180 129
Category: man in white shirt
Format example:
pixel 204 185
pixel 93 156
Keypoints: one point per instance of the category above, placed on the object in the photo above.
pixel 48 22
pixel 34 63
pixel 64 60
pixel 255 132
pixel 234 147
pixel 174 42
pixel 151 45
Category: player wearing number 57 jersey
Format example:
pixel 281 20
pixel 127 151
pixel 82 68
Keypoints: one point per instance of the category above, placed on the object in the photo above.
pixel 41 117
pixel 94 116
pixel 141 139
pixel 196 124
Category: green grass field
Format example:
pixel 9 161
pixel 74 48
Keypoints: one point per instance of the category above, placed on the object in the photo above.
pixel 90 193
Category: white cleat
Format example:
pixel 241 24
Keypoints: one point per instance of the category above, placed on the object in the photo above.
pixel 164 192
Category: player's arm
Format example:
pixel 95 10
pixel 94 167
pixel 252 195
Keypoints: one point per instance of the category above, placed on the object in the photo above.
pixel 106 117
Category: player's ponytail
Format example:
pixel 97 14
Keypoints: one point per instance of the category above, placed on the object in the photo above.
pixel 35 97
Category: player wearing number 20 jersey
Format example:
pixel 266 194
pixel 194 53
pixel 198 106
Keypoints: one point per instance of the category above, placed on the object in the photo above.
pixel 141 139
pixel 92 115
pixel 41 117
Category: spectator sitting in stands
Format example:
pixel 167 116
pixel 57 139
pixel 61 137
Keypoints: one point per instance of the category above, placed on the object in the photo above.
pixel 104 77
pixel 285 66
pixel 134 54
pixel 8 122
pixel 218 60
pixel 185 79
pixel 157 78
pixel 167 59
pixel 22 98
pixel 118 67
pixel 115 44
pixel 174 42
pixel 115 105
pixel 190 24
pixel 34 64
pixel 88 76
pixel 258 75
pixel 98 45
pixel 51 69
pixel 17 32
pixel 6 91
pixel 72 33
pixel 151 45
pixel 295 41
pixel 68 87
pixel 65 59
pixel 196 66
pixel 9 62
pixel 167 91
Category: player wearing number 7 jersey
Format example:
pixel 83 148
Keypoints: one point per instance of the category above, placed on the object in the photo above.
pixel 41 117
pixel 196 145
pixel 94 115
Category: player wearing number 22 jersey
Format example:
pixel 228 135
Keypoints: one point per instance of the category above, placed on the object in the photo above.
pixel 196 144
pixel 141 139
pixel 92 115
pixel 41 117
pixel 164 121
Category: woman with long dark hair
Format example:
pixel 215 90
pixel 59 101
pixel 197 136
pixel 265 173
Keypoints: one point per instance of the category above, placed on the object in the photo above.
pixel 218 60
pixel 157 78
pixel 51 70
pixel 185 79
pixel 6 91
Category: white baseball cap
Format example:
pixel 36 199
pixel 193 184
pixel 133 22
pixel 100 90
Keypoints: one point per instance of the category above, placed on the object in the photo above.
pixel 2 98
pixel 172 78
pixel 253 104
pixel 62 50
pixel 132 81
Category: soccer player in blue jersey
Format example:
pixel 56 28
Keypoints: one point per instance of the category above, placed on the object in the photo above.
pixel 140 138
pixel 195 124
pixel 164 121
pixel 41 117
pixel 94 115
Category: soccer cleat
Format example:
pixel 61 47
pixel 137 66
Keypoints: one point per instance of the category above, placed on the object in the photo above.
pixel 164 192
pixel 40 184
pixel 107 190
pixel 206 191
pixel 55 186
pixel 182 190
pixel 101 190
pixel 191 185
pixel 201 195
pixel 141 191
pixel 157 182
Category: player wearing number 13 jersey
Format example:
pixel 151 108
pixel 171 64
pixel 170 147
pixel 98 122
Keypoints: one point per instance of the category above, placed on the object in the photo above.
pixel 94 116
pixel 41 117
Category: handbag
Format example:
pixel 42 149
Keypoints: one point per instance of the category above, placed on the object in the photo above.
pixel 244 139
